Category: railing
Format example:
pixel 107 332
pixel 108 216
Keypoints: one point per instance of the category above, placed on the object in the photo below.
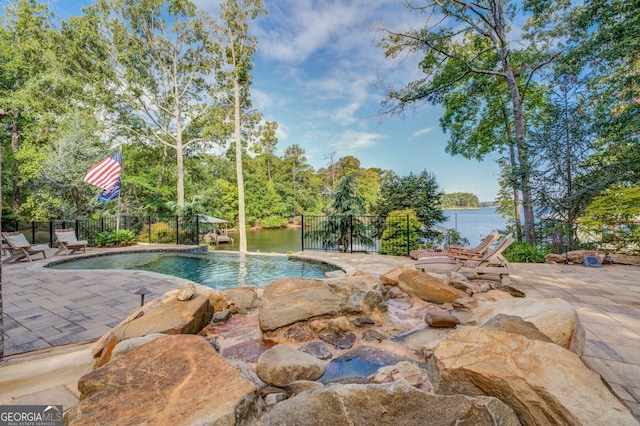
pixel 343 233
pixel 158 230
pixel 356 233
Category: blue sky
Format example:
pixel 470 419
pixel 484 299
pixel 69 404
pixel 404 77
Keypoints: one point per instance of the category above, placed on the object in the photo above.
pixel 316 73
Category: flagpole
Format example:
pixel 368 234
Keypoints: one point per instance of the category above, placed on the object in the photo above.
pixel 118 216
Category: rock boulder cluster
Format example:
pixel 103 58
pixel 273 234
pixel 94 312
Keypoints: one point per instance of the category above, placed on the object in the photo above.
pixel 404 348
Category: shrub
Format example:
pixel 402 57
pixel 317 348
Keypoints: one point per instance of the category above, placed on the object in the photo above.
pixel 111 238
pixel 523 252
pixel 161 233
pixel 394 237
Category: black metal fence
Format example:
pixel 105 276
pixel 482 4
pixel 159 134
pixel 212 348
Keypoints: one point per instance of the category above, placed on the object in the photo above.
pixel 184 230
pixel 342 233
pixel 356 233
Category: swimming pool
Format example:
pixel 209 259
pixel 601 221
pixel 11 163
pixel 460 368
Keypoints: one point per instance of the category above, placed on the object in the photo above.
pixel 216 270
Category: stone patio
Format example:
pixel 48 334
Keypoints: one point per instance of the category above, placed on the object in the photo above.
pixel 49 315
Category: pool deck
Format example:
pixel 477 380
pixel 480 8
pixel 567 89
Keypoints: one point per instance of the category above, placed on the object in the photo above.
pixel 52 316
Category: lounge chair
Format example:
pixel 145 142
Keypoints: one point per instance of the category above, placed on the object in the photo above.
pixel 492 262
pixel 480 249
pixel 68 243
pixel 19 248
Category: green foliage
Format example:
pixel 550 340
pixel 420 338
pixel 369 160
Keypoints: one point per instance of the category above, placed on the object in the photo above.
pixel 399 237
pixel 271 222
pixel 451 238
pixel 161 233
pixel 419 193
pixel 459 199
pixel 110 238
pixel 614 215
pixel 523 252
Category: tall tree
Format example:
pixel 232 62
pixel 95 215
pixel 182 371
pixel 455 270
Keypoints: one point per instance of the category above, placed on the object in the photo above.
pixel 561 140
pixel 464 41
pixel 419 193
pixel 162 61
pixel 239 47
pixel 607 51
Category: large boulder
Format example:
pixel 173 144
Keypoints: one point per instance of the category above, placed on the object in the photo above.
pixel 554 317
pixel 289 300
pixel 427 287
pixel 172 380
pixel 167 315
pixel 543 382
pixel 392 404
pixel 284 364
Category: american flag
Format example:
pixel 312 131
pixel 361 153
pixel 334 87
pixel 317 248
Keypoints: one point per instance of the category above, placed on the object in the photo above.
pixel 106 173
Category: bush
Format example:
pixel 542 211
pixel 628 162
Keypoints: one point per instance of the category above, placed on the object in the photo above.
pixel 161 233
pixel 111 238
pixel 394 237
pixel 523 252
pixel 271 222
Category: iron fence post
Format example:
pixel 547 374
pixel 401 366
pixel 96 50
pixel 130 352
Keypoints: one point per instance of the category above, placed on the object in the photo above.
pixel 408 237
pixel 149 222
pixel 302 233
pixel 197 230
pixel 177 231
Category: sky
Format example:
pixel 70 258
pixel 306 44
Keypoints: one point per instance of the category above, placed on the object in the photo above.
pixel 318 73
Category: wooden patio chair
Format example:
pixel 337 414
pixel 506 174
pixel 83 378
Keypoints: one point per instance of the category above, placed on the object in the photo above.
pixel 19 248
pixel 68 242
pixel 492 262
pixel 481 248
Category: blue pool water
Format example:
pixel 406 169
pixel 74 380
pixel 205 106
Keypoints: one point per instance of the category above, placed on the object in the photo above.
pixel 216 270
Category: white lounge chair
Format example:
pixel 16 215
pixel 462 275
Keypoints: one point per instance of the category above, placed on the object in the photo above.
pixel 19 248
pixel 68 242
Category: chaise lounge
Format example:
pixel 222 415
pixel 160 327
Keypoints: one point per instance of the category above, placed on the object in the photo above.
pixel 68 242
pixel 492 262
pixel 480 249
pixel 19 248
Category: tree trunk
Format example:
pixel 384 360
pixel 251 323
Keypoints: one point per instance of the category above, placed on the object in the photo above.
pixel 180 159
pixel 15 146
pixel 241 209
pixel 516 197
pixel 522 151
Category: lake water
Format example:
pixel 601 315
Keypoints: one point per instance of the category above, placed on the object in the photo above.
pixel 472 224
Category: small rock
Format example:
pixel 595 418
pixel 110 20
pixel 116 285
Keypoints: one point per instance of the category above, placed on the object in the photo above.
pixel 441 319
pixel 273 398
pixel 340 341
pixel 339 325
pixel 318 325
pixel 371 335
pixel 397 293
pixel 283 364
pixel 186 292
pixel 299 334
pixel 222 316
pixel 363 321
pixel 316 349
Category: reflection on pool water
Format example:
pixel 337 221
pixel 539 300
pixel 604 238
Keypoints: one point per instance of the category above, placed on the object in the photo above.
pixel 216 270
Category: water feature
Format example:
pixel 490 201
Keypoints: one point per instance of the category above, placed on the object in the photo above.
pixel 216 270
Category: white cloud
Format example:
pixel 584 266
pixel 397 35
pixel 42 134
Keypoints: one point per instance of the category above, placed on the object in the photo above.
pixel 421 132
pixel 350 142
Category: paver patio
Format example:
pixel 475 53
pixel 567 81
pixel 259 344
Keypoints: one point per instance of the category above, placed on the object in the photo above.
pixel 46 308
